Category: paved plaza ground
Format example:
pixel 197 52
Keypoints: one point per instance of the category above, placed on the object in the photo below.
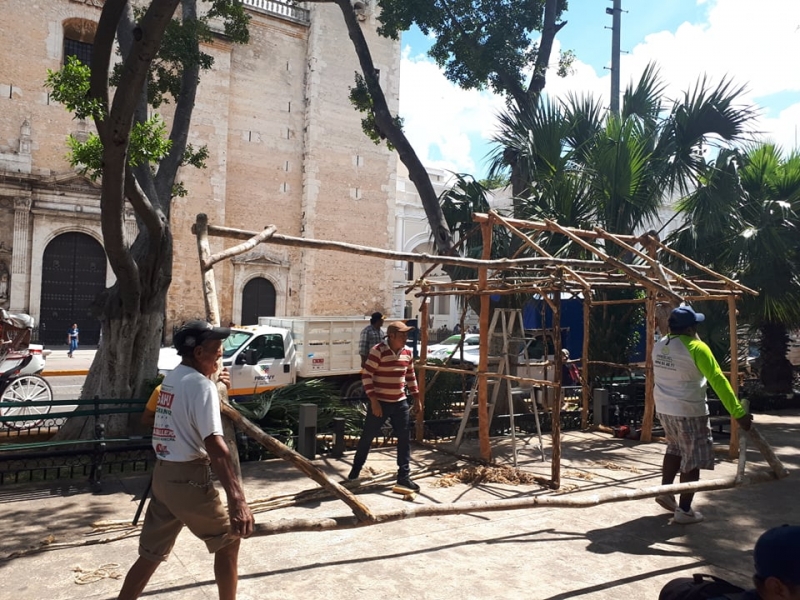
pixel 608 551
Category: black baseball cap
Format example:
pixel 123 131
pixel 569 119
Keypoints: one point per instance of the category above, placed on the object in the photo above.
pixel 195 332
pixel 777 554
pixel 684 316
pixel 376 316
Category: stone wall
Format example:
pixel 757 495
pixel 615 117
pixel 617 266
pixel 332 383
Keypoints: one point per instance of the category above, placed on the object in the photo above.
pixel 286 148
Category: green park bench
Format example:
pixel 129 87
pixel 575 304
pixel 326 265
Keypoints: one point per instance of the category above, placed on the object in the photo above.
pixel 53 410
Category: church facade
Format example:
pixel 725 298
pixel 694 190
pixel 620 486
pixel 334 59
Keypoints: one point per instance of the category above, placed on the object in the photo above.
pixel 285 148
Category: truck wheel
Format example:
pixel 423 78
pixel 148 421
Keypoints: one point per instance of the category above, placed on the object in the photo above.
pixel 353 390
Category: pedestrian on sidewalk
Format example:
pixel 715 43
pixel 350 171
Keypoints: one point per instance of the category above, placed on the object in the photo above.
pixel 72 339
pixel 188 441
pixel 388 370
pixel 682 367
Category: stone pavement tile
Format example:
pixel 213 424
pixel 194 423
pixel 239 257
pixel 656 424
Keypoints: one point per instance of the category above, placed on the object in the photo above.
pixel 596 553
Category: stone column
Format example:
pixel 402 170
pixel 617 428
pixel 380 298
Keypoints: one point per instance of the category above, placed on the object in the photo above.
pixel 20 260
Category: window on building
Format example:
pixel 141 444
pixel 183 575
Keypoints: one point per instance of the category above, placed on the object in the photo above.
pixel 79 39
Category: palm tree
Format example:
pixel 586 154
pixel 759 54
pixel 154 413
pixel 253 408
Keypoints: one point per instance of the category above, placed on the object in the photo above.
pixel 743 221
pixel 582 167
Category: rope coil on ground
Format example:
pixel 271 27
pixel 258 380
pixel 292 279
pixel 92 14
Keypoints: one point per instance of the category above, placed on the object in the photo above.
pixel 106 571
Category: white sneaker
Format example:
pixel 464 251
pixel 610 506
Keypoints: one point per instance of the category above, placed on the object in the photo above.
pixel 687 517
pixel 667 502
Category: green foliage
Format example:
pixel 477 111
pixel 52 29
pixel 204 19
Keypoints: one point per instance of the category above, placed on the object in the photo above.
pixel 361 99
pixel 148 145
pixel 495 181
pixel 70 87
pixel 442 389
pixel 478 43
pixel 180 49
pixel 743 221
pixel 277 412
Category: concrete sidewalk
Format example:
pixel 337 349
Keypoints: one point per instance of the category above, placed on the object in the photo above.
pixel 58 363
pixel 608 551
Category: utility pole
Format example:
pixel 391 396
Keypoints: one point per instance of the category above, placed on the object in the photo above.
pixel 616 18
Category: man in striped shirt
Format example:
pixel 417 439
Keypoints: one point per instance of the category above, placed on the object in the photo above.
pixel 389 369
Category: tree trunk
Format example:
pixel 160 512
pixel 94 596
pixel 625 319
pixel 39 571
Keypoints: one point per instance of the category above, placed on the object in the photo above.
pixel 776 370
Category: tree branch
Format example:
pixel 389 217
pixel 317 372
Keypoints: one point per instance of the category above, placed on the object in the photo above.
pixel 549 31
pixel 179 133
pixel 102 48
pixel 389 128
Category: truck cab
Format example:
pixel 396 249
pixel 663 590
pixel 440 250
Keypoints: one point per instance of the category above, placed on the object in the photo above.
pixel 259 359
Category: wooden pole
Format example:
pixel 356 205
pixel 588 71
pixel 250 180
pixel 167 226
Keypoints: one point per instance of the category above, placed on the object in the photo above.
pixel 483 360
pixel 200 230
pixel 587 316
pixel 526 502
pixel 733 449
pixel 360 510
pixel 649 382
pixel 423 360
pixel 555 465
pixel 206 273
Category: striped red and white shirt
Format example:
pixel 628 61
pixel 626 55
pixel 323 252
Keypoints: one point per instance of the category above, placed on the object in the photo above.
pixel 386 374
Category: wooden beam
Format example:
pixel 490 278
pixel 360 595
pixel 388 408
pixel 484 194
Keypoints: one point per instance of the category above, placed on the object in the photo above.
pixel 483 360
pixel 545 226
pixel 703 268
pixel 642 280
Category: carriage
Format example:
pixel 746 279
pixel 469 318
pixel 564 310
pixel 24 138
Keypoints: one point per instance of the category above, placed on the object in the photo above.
pixel 16 385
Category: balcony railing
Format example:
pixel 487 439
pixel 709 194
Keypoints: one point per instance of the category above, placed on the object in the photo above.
pixel 284 10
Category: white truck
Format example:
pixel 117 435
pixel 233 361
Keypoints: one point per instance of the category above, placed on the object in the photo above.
pixel 283 350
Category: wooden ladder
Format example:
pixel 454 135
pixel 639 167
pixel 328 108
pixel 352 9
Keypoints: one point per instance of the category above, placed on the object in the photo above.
pixel 508 320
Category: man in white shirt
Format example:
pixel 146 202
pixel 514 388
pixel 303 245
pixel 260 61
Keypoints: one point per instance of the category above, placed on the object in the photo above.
pixel 189 444
pixel 683 365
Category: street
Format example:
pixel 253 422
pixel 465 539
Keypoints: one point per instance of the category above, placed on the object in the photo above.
pixel 66 387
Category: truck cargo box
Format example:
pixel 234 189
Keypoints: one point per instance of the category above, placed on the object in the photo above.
pixel 325 346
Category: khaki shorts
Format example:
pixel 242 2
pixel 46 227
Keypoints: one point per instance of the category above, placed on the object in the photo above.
pixel 183 494
pixel 690 438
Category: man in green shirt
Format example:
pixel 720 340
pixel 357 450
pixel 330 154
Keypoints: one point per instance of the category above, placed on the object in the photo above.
pixel 683 365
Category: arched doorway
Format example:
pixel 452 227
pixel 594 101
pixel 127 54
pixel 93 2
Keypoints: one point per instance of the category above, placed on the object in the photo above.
pixel 73 273
pixel 258 300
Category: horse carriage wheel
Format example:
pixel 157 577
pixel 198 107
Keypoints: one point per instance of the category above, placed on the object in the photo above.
pixel 27 388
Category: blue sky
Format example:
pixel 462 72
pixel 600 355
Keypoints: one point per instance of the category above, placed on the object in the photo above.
pixel 755 43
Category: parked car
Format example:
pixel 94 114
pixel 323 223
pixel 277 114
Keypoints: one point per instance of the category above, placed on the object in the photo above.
pixel 448 346
pixel 38 358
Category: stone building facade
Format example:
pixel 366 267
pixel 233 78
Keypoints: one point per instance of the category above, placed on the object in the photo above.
pixel 285 148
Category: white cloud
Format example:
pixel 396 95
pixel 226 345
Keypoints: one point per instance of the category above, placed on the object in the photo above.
pixel 754 43
pixel 440 116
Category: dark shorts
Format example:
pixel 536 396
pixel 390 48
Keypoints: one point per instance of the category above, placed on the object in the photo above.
pixel 690 438
pixel 183 494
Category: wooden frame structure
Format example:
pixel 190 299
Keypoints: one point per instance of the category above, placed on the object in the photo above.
pixel 540 273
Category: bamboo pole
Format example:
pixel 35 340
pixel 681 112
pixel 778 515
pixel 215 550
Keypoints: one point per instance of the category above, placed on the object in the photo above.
pixel 556 501
pixel 423 358
pixel 733 449
pixel 360 510
pixel 483 361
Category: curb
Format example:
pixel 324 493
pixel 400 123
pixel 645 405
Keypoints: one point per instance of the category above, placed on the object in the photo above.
pixel 64 373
